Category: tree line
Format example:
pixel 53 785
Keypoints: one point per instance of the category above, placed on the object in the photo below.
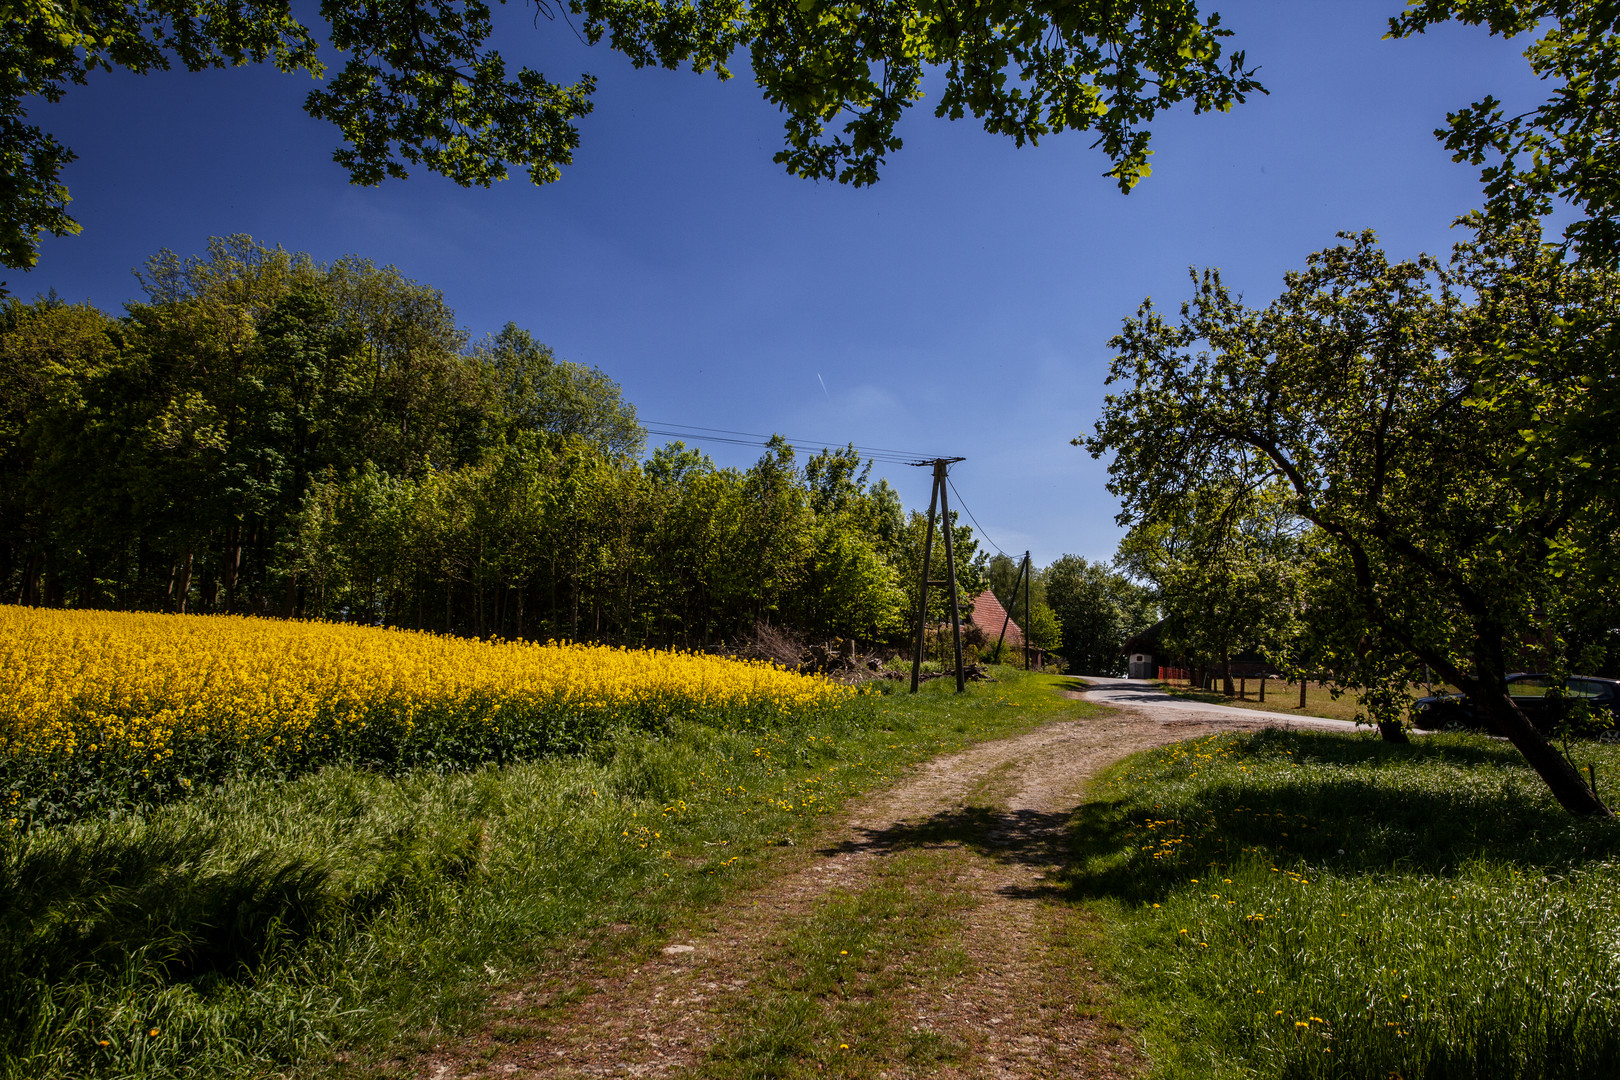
pixel 267 435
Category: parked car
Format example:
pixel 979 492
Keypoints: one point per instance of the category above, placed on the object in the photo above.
pixel 1534 694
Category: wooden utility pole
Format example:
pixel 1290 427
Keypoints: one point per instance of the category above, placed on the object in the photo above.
pixel 1028 620
pixel 1012 602
pixel 938 498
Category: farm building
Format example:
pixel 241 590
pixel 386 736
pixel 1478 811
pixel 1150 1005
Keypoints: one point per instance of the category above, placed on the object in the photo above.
pixel 1146 659
pixel 987 613
pixel 1142 652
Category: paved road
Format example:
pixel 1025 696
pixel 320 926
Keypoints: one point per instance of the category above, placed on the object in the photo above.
pixel 1148 697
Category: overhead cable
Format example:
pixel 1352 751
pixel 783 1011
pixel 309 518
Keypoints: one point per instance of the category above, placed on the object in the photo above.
pixel 963 504
pixel 749 438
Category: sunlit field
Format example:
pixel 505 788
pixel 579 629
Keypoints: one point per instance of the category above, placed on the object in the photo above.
pixel 338 921
pixel 1315 905
pixel 102 710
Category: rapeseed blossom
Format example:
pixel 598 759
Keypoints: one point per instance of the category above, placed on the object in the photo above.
pixel 126 707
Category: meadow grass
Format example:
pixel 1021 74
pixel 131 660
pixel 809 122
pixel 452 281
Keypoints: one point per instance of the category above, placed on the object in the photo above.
pixel 283 927
pixel 1310 904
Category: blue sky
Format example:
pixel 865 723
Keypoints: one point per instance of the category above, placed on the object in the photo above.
pixel 961 306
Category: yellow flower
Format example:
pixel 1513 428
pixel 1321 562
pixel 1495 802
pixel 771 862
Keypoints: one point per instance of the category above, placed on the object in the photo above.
pixel 149 688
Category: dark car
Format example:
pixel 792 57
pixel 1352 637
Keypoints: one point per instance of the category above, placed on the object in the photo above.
pixel 1536 695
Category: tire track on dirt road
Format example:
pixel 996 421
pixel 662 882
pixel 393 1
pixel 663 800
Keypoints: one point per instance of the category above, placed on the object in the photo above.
pixel 1006 1014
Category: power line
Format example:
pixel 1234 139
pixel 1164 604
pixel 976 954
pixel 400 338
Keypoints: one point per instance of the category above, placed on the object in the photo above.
pixel 746 438
pixel 963 504
pixel 697 433
pixel 749 434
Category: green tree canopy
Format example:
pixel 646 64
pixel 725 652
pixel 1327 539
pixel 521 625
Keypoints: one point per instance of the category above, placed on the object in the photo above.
pixel 1224 562
pixel 1567 148
pixel 1098 608
pixel 421 84
pixel 1445 427
pixel 535 391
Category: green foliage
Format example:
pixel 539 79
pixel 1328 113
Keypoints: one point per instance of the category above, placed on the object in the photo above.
pixel 1044 631
pixel 538 392
pixel 1002 576
pixel 1311 905
pixel 269 925
pixel 1441 427
pixel 269 435
pixel 420 84
pixel 1098 608
pixel 1566 149
pixel 1225 565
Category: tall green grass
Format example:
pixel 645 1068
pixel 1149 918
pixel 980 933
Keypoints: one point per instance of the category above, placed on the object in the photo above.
pixel 1317 905
pixel 263 927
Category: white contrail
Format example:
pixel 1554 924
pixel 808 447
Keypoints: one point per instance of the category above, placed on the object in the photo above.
pixel 823 383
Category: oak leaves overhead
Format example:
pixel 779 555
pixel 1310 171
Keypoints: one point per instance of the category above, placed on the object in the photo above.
pixel 421 86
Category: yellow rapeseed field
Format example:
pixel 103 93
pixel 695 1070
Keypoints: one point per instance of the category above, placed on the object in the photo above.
pixel 127 701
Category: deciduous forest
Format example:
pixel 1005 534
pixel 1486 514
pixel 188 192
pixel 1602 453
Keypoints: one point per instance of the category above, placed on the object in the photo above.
pixel 266 435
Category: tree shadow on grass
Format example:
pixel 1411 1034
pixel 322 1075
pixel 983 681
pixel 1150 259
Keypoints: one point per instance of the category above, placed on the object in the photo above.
pixel 1362 807
pixel 182 907
pixel 98 902
pixel 1353 806
pixel 1032 838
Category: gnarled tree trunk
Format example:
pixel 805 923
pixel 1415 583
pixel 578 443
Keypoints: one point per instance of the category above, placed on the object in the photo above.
pixel 1566 783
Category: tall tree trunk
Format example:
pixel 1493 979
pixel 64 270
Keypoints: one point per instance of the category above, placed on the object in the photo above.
pixel 184 588
pixel 30 594
pixel 233 563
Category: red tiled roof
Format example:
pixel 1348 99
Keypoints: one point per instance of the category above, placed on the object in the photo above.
pixel 985 611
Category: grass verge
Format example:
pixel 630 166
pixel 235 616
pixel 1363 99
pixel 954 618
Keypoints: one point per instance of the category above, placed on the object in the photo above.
pixel 345 916
pixel 1304 904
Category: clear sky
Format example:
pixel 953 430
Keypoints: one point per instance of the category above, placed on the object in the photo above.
pixel 961 306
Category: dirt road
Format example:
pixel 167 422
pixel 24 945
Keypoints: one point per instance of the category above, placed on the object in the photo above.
pixel 983 827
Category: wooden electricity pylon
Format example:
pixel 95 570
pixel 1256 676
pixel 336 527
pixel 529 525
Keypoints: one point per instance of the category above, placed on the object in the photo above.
pixel 938 498
pixel 1012 602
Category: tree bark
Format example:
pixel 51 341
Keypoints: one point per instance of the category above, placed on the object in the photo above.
pixel 30 594
pixel 184 588
pixel 1567 785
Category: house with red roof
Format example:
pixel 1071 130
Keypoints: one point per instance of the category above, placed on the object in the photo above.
pixel 986 612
